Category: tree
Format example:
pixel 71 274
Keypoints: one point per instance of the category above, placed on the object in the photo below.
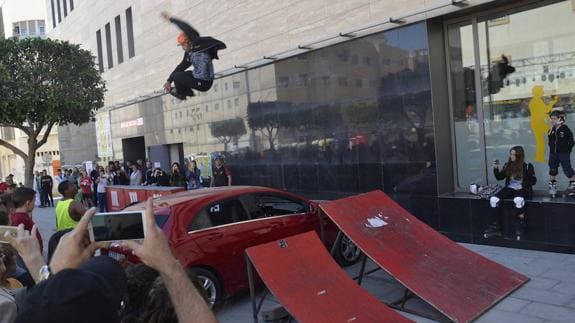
pixel 359 114
pixel 228 130
pixel 268 117
pixel 44 83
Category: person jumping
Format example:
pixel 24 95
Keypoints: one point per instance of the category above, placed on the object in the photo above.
pixel 199 53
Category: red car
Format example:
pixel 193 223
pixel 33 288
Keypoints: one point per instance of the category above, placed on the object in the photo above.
pixel 209 229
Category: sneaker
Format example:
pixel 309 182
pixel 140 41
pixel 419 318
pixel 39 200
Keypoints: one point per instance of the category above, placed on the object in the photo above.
pixel 177 95
pixel 571 189
pixel 552 188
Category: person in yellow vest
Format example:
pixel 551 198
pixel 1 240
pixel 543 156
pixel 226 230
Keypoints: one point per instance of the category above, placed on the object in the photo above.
pixel 68 210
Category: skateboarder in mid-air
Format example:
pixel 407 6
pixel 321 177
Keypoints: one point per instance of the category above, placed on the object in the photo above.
pixel 199 53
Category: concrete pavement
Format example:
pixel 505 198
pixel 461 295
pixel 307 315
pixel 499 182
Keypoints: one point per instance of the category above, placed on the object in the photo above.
pixel 548 297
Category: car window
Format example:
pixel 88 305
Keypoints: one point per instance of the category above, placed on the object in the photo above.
pixel 219 213
pixel 268 205
pixel 200 221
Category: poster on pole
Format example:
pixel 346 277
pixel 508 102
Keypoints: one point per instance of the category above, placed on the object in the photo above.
pixel 89 166
pixel 104 134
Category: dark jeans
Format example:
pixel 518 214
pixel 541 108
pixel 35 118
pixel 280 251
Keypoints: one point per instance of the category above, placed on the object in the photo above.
pixel 509 193
pixel 46 198
pixel 185 82
pixel 563 159
pixel 102 202
pixel 95 196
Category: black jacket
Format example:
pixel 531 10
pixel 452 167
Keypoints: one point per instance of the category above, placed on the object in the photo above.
pixel 529 178
pixel 560 139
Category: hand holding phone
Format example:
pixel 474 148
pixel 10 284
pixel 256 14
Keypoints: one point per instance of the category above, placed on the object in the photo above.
pixel 154 251
pixel 75 246
pixel 117 226
pixel 496 163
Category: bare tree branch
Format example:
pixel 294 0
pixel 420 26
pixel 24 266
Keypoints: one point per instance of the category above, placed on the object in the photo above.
pixel 46 134
pixel 21 127
pixel 15 149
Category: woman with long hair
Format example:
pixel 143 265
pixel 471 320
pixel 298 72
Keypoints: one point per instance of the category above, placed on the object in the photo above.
pixel 177 177
pixel 194 176
pixel 519 180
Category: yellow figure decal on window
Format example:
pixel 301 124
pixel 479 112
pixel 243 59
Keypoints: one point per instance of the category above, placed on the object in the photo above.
pixel 539 111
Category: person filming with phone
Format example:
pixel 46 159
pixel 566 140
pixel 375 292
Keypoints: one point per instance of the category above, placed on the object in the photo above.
pixel 77 287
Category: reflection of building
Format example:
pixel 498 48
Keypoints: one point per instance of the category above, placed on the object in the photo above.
pixel 394 107
pixel 23 19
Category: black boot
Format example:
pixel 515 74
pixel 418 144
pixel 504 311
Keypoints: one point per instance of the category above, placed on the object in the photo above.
pixel 493 230
pixel 520 228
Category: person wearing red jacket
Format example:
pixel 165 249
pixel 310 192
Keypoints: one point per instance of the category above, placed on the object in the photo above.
pixel 24 199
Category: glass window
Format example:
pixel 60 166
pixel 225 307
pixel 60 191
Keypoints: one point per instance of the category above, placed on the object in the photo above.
pixel 526 67
pixel 53 13
pixel 268 205
pixel 523 45
pixel 109 46
pixel 226 212
pixel 59 12
pixel 130 33
pixel 100 53
pixel 200 221
pixel 466 125
pixel 119 48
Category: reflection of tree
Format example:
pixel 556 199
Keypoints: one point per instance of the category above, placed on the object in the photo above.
pixel 228 130
pixel 307 117
pixel 268 117
pixel 359 114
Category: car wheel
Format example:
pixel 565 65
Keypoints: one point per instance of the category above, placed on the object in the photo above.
pixel 347 253
pixel 210 285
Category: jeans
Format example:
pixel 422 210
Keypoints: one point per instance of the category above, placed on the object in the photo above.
pixel 102 202
pixel 185 82
pixel 563 159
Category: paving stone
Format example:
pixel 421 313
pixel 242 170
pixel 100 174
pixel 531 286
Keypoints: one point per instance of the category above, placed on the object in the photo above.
pixel 543 296
pixel 541 283
pixel 550 312
pixel 511 304
pixel 495 316
pixel 565 288
pixel 563 275
pixel 532 270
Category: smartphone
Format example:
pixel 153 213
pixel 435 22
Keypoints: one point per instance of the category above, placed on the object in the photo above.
pixel 5 228
pixel 115 226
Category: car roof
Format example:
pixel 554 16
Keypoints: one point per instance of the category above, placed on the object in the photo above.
pixel 212 192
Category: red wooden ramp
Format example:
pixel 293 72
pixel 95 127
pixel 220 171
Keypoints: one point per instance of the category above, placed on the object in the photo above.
pixel 456 281
pixel 303 277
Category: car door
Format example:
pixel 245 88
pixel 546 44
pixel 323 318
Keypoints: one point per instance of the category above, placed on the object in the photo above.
pixel 219 233
pixel 282 214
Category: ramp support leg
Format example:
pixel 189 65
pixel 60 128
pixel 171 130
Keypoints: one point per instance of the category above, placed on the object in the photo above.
pixel 362 269
pixel 252 289
pixel 336 243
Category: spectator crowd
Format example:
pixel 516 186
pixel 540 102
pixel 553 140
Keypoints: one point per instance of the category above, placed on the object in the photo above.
pixel 67 283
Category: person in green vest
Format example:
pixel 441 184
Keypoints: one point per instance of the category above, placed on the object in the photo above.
pixel 68 210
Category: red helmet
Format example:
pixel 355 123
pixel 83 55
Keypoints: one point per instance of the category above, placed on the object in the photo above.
pixel 182 39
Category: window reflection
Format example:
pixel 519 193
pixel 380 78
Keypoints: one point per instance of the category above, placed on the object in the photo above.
pixel 527 66
pixel 348 118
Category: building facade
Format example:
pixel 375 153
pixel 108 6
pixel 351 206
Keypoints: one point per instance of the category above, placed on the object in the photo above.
pixel 332 98
pixel 23 19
